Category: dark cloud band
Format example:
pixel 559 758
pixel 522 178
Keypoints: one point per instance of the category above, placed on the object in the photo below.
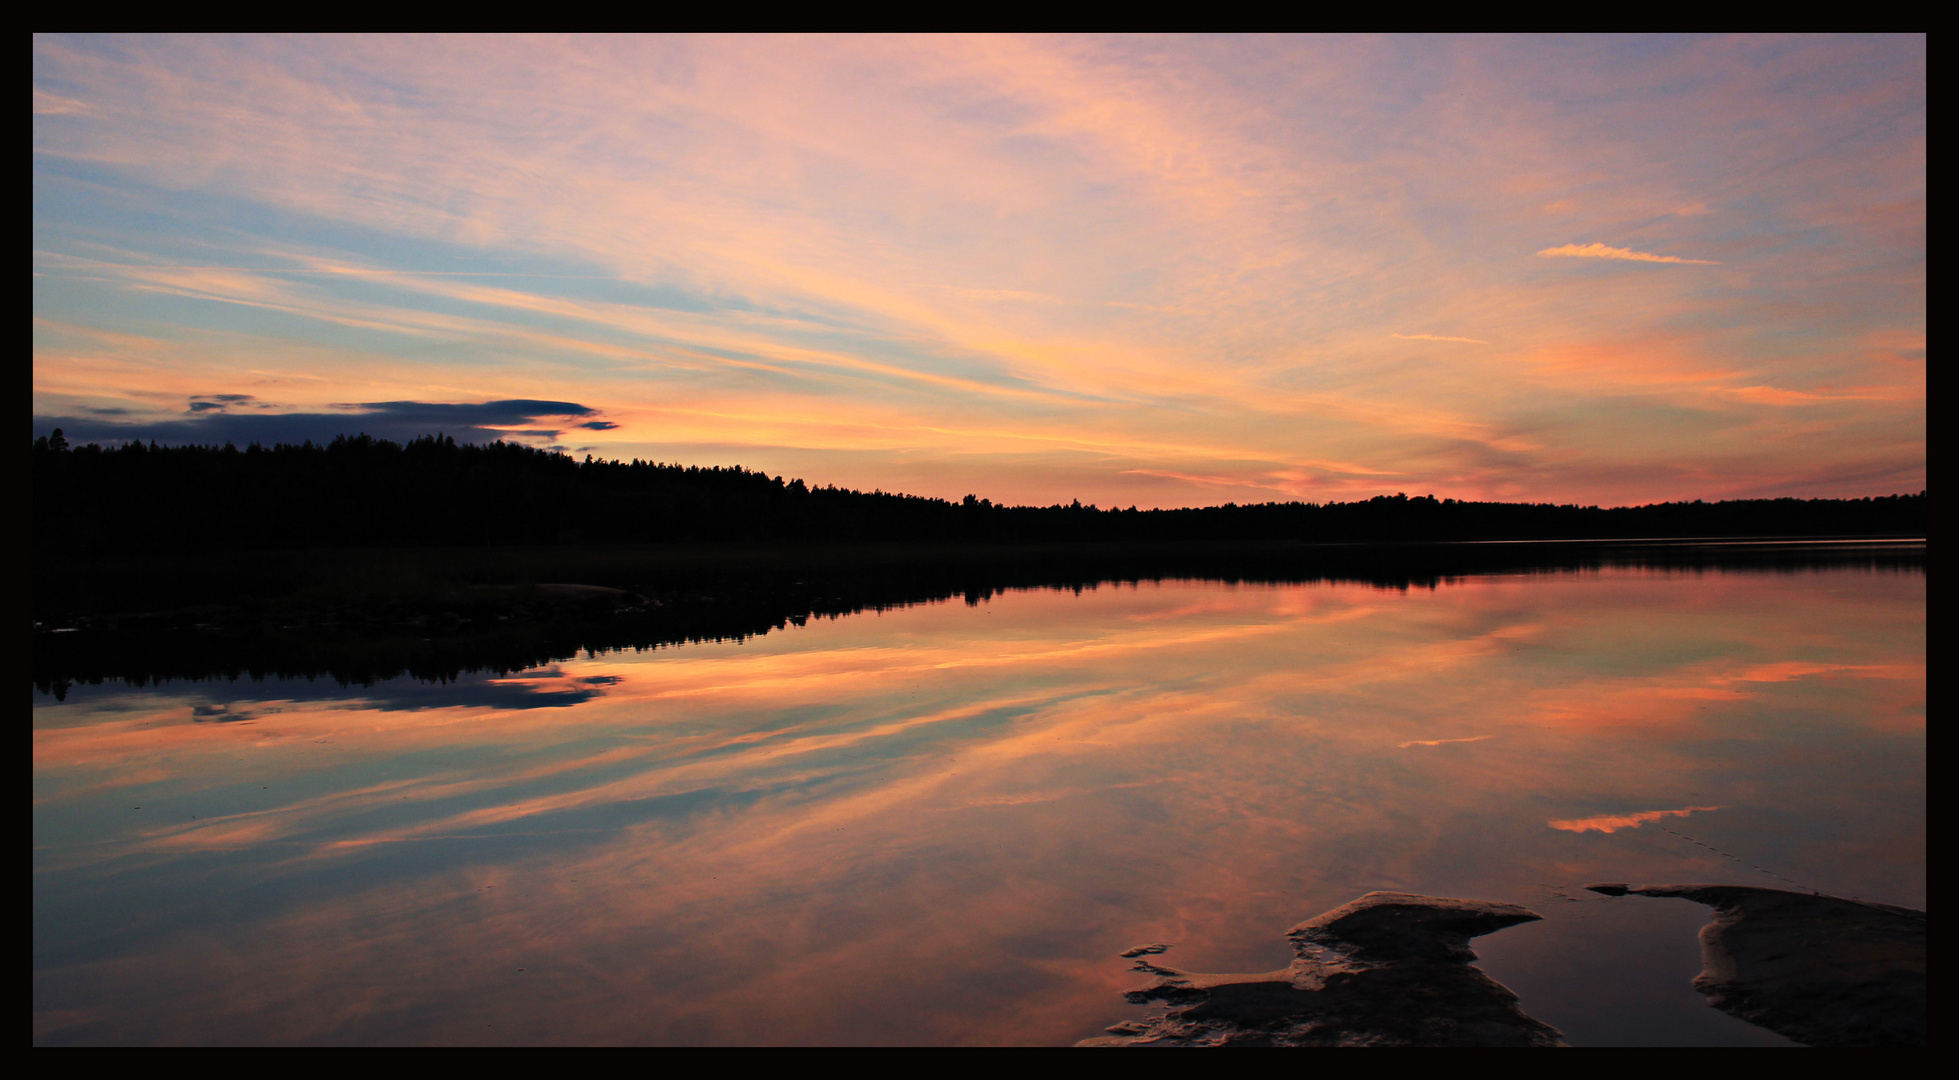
pixel 211 421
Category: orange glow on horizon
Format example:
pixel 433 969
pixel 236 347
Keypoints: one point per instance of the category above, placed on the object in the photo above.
pixel 1041 269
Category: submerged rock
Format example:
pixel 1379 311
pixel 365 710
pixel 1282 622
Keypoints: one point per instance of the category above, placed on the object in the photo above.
pixel 1822 970
pixel 1388 969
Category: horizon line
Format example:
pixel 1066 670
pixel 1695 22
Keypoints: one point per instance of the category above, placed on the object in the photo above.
pixel 563 452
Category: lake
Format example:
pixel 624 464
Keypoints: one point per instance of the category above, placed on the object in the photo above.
pixel 940 824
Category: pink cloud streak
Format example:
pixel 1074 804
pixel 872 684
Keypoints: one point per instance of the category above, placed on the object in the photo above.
pixel 1600 251
pixel 1615 822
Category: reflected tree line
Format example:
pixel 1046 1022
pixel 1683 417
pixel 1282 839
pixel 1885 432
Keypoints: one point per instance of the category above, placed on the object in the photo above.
pixel 364 492
pixel 363 560
pixel 440 636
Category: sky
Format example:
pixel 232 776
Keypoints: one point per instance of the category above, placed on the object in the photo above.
pixel 1153 271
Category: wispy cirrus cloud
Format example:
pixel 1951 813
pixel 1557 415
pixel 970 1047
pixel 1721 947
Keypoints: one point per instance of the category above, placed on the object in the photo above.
pixel 1044 268
pixel 1601 251
pixel 1438 337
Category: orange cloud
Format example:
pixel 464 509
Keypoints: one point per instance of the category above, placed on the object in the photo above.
pixel 1600 251
pixel 1437 337
pixel 1037 268
pixel 1615 822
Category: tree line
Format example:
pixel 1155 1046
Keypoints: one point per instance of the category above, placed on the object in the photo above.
pixel 358 491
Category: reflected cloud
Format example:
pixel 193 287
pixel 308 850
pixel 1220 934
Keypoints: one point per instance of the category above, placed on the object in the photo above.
pixel 222 714
pixel 532 690
pixel 952 816
pixel 1614 822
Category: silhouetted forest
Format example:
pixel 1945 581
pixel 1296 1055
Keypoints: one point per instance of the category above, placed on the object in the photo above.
pixel 364 492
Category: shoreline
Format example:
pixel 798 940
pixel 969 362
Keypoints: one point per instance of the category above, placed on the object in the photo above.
pixel 360 615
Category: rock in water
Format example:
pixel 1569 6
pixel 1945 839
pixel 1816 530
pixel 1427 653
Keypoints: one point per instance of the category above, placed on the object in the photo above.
pixel 1388 969
pixel 1822 970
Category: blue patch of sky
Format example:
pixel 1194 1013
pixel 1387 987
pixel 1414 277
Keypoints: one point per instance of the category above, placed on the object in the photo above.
pixel 92 212
pixel 166 227
pixel 78 205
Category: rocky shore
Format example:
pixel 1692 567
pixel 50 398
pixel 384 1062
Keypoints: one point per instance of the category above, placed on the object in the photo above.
pixel 1394 969
pixel 1821 970
pixel 1388 969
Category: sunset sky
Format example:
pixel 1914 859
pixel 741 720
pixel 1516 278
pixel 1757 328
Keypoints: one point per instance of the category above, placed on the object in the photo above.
pixel 1151 271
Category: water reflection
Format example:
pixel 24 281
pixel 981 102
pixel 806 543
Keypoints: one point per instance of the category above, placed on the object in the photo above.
pixel 939 824
pixel 364 639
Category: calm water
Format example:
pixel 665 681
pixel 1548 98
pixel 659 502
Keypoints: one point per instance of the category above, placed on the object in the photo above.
pixel 940 824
